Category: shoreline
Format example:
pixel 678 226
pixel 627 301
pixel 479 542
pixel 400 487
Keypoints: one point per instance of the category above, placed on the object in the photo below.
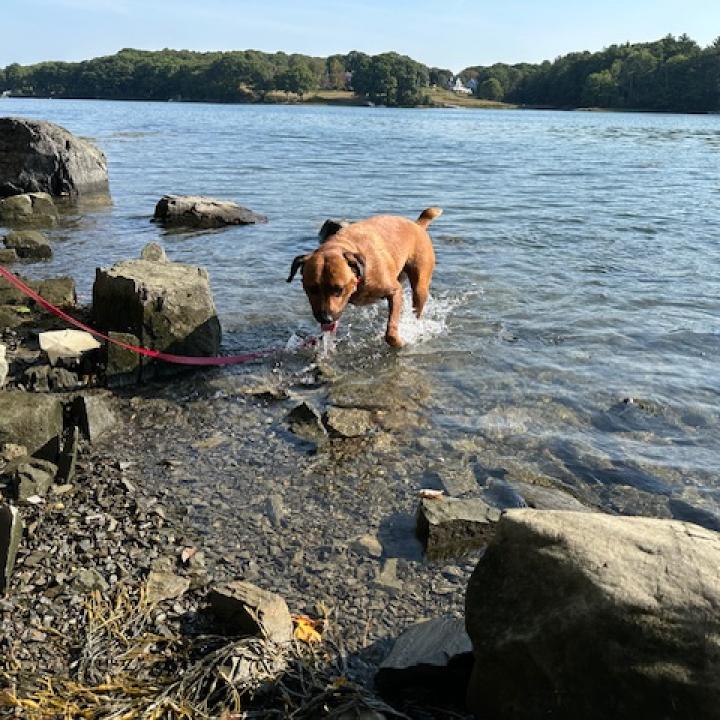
pixel 442 105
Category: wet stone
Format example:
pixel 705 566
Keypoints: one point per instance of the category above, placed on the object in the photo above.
pixel 29 245
pixel 449 527
pixel 305 421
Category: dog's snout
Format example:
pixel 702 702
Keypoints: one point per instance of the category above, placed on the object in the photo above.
pixel 324 317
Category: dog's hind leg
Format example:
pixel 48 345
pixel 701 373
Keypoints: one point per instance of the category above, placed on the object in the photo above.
pixel 420 276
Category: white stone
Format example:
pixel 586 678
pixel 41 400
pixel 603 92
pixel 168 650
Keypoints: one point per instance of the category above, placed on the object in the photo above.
pixel 66 344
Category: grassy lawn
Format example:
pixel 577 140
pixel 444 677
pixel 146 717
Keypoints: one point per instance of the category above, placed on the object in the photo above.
pixel 448 98
pixel 439 97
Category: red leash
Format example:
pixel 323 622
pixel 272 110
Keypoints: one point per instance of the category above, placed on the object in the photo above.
pixel 156 354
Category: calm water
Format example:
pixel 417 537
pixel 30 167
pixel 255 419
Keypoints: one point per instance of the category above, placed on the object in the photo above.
pixel 578 263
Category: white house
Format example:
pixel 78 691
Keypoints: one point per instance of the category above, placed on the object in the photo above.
pixel 459 88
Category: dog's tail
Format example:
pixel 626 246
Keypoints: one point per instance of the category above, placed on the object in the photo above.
pixel 428 215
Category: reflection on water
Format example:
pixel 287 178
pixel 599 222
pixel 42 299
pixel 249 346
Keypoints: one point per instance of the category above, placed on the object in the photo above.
pixel 577 269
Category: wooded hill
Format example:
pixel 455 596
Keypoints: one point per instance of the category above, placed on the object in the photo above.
pixel 673 74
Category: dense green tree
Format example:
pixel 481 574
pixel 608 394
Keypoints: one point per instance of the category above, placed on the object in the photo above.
pixel 490 89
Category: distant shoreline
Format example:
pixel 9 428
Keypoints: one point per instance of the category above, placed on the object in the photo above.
pixel 355 101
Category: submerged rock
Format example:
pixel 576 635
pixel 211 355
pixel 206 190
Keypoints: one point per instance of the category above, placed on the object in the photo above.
pixel 585 615
pixel 430 661
pixel 11 529
pixel 38 156
pixel 168 306
pixel 247 609
pixel 449 527
pixel 197 211
pixel 305 421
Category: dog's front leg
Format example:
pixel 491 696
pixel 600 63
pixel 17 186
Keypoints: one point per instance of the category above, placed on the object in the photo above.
pixel 392 334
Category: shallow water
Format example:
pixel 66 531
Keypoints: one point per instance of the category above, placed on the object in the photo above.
pixel 577 268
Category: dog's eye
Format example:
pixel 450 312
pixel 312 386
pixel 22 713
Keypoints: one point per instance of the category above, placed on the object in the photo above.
pixel 336 290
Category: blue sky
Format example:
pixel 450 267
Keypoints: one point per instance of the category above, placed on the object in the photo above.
pixel 447 33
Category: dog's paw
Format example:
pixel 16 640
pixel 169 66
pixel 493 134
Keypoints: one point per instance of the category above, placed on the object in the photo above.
pixel 394 341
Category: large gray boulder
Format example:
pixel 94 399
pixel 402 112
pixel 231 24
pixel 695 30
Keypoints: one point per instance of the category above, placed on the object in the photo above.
pixel 167 306
pixel 585 615
pixel 35 421
pixel 197 211
pixel 38 156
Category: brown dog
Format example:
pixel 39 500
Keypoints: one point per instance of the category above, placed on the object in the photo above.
pixel 363 262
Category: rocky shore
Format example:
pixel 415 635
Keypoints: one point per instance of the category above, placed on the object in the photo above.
pixel 257 543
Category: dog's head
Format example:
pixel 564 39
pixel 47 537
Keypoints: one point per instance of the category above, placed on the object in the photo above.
pixel 329 280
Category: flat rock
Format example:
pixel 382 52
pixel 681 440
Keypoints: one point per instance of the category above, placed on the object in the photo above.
pixel 429 661
pixel 348 422
pixel 35 421
pixel 456 481
pixel 38 156
pixel 11 529
pixel 541 497
pixel 165 586
pixel 247 609
pixel 168 306
pixel 30 208
pixel 600 616
pixel 197 211
pixel 449 527
pixel 28 245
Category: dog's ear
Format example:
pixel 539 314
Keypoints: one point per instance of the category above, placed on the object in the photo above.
pixel 297 263
pixel 356 261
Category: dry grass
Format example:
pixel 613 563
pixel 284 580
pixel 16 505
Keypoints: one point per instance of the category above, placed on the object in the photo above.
pixel 126 671
pixel 448 98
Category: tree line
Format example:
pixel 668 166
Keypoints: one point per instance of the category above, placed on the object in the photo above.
pixel 671 74
pixel 238 76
